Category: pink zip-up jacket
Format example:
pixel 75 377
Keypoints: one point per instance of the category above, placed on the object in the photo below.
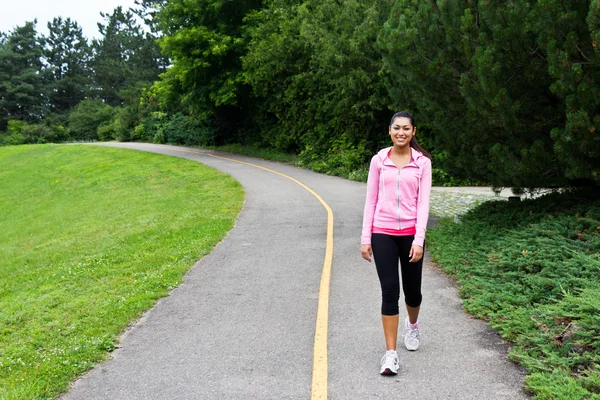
pixel 397 198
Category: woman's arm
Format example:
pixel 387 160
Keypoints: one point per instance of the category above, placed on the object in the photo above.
pixel 423 203
pixel 371 201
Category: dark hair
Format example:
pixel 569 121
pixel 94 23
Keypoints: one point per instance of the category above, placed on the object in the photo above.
pixel 413 141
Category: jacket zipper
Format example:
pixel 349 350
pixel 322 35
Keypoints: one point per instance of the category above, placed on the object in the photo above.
pixel 399 226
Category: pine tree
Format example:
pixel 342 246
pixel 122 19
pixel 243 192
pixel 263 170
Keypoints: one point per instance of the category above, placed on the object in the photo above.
pixel 569 33
pixel 21 77
pixel 510 89
pixel 67 56
pixel 126 58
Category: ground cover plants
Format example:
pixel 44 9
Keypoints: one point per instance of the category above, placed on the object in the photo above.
pixel 90 237
pixel 256 152
pixel 532 269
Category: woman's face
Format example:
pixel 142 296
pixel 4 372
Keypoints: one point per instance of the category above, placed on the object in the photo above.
pixel 401 131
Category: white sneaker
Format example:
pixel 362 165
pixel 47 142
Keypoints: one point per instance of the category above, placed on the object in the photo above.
pixel 412 337
pixel 390 363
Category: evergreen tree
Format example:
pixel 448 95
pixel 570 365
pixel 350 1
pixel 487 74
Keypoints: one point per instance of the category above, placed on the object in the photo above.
pixel 21 80
pixel 510 89
pixel 126 59
pixel 67 57
pixel 569 33
pixel 148 11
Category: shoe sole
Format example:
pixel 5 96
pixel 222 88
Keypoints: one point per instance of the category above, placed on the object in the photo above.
pixel 388 372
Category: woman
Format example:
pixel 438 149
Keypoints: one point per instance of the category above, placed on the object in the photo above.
pixel 394 224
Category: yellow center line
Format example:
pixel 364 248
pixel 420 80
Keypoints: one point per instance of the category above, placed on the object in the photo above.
pixel 319 376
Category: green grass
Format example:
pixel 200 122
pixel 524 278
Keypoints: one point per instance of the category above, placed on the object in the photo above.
pixel 265 154
pixel 320 166
pixel 90 238
pixel 532 269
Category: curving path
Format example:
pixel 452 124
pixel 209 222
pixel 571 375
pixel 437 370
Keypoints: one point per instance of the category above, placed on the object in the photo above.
pixel 242 325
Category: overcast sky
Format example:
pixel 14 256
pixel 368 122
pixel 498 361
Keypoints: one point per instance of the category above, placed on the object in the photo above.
pixel 85 12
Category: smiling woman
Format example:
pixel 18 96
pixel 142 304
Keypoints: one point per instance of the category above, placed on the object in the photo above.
pixel 91 237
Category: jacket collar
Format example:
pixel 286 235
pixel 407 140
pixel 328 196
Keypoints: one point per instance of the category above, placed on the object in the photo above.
pixel 383 156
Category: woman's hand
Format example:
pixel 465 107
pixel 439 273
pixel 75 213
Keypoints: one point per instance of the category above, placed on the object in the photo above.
pixel 416 253
pixel 366 252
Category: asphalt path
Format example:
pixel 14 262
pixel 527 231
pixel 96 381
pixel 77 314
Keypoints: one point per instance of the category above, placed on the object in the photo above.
pixel 242 324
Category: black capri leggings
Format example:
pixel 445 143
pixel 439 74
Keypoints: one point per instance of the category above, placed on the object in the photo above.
pixel 387 250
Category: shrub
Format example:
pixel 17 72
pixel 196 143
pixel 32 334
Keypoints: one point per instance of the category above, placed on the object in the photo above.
pixel 532 269
pixel 125 121
pixel 181 129
pixel 87 117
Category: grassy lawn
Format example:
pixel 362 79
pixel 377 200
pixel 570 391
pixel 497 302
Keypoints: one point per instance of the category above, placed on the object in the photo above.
pixel 532 269
pixel 90 238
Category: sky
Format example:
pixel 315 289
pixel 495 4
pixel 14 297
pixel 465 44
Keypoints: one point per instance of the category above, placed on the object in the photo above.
pixel 86 12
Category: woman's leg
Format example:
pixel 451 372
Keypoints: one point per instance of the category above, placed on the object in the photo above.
pixel 385 253
pixel 411 279
pixel 411 284
pixel 390 330
pixel 413 313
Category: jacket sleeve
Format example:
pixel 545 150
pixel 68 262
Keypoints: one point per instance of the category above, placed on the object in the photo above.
pixel 371 201
pixel 423 203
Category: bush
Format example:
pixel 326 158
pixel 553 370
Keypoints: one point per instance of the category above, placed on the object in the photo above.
pixel 532 269
pixel 184 130
pixel 87 117
pixel 20 132
pixel 152 125
pixel 13 135
pixel 340 160
pixel 37 133
pixel 106 131
pixel 126 119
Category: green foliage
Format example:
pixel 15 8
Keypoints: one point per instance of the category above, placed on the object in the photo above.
pixel 152 127
pixel 494 81
pixel 532 269
pixel 20 132
pixel 13 135
pixel 86 119
pixel 106 131
pixel 125 59
pixel 21 77
pixel 314 66
pixel 184 130
pixel 96 237
pixel 205 41
pixel 125 121
pixel 45 78
pixel 569 32
pixel 265 154
pixel 67 55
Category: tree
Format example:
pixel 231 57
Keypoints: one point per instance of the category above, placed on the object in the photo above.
pixel 88 117
pixel 569 33
pixel 126 59
pixel 21 80
pixel 148 11
pixel 67 57
pixel 493 83
pixel 205 41
pixel 314 66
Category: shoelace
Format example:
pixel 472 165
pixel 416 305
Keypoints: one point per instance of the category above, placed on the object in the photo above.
pixel 388 359
pixel 413 333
